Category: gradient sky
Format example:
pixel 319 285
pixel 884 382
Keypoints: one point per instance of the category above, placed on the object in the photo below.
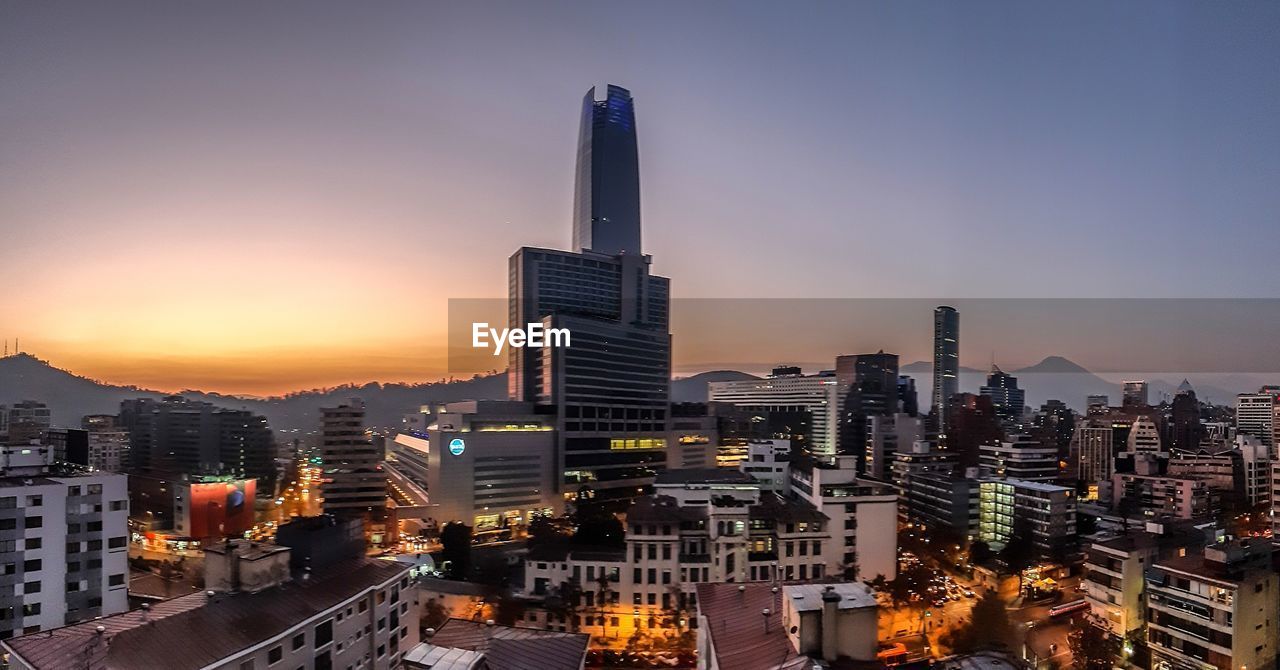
pixel 258 197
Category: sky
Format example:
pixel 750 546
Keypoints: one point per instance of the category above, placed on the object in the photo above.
pixel 259 197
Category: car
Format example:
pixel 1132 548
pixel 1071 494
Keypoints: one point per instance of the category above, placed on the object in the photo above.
pixel 969 593
pixel 941 602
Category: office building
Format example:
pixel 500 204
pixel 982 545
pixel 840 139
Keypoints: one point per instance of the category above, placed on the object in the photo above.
pixel 1144 437
pixel 869 383
pixel 606 190
pixel 769 463
pixel 946 363
pixel 108 447
pixel 1048 512
pixel 1185 430
pixel 1007 399
pixel 492 463
pixel 1255 414
pixel 1214 609
pixel 352 481
pixel 1133 394
pixel 1093 451
pixel 789 391
pixel 972 423
pixel 24 421
pixel 255 614
pixel 947 505
pixel 176 436
pixel 886 435
pixel 613 381
pixel 693 437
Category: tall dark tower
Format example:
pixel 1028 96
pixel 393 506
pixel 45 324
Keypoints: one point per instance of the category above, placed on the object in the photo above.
pixel 606 191
pixel 946 361
pixel 610 390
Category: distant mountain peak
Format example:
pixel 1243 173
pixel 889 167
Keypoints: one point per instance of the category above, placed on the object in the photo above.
pixel 1056 364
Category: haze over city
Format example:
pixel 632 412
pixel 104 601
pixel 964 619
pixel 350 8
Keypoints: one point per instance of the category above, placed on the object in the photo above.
pixel 261 198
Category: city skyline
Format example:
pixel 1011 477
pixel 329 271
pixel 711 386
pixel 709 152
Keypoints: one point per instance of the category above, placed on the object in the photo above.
pixel 263 237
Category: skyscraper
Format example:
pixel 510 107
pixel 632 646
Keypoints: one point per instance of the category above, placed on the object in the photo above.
pixel 1006 397
pixel 353 481
pixel 606 193
pixel 1134 393
pixel 610 389
pixel 946 361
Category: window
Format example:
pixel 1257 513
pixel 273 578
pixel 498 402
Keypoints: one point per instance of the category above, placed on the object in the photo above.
pixel 72 587
pixel 73 490
pixel 94 526
pixel 324 633
pixel 115 580
pixel 119 505
pixel 34 543
pixel 31 610
pixel 35 501
pixel 8 524
pixel 31 565
pixel 95 489
pixel 298 641
pixel 246 664
pixel 31 587
pixel 117 542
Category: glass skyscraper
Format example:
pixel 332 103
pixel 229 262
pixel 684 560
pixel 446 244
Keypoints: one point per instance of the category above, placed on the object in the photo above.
pixel 946 361
pixel 610 389
pixel 606 208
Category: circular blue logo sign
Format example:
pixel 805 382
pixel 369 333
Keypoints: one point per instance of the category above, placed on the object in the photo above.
pixel 457 446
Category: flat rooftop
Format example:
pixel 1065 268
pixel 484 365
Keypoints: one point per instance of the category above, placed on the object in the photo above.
pixel 808 597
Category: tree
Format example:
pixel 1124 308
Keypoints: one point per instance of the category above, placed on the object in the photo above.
pixel 1019 552
pixel 979 552
pixel 1092 647
pixel 507 609
pixel 597 527
pixel 455 538
pixel 564 602
pixel 604 589
pixel 434 613
pixel 987 627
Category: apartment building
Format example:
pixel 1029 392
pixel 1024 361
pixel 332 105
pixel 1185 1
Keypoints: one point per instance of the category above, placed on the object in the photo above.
pixel 1214 609
pixel 1114 580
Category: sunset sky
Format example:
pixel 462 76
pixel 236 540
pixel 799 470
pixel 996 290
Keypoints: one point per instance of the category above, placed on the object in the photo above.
pixel 260 197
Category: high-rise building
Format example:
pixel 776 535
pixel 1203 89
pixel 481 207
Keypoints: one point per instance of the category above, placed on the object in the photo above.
pixel 352 478
pixel 611 388
pixel 108 443
pixel 946 362
pixel 1008 400
pixel 817 395
pixel 606 208
pixel 1020 458
pixel 908 399
pixel 177 436
pixel 870 386
pixel 973 423
pixel 1093 450
pixel 1185 429
pixel 1144 437
pixel 1048 510
pixel 1134 393
pixel 24 421
pixel 1255 414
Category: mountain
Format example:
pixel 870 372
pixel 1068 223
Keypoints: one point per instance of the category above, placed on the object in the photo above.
pixel 70 396
pixel 694 389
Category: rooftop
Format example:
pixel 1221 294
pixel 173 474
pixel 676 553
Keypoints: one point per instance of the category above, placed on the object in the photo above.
pixel 734 623
pixel 703 476
pixel 773 506
pixel 195 631
pixel 808 597
pixel 498 647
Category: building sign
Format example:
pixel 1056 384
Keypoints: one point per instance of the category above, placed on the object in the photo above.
pixel 457 446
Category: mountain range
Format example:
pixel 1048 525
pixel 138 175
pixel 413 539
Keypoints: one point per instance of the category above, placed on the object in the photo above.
pixel 70 396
